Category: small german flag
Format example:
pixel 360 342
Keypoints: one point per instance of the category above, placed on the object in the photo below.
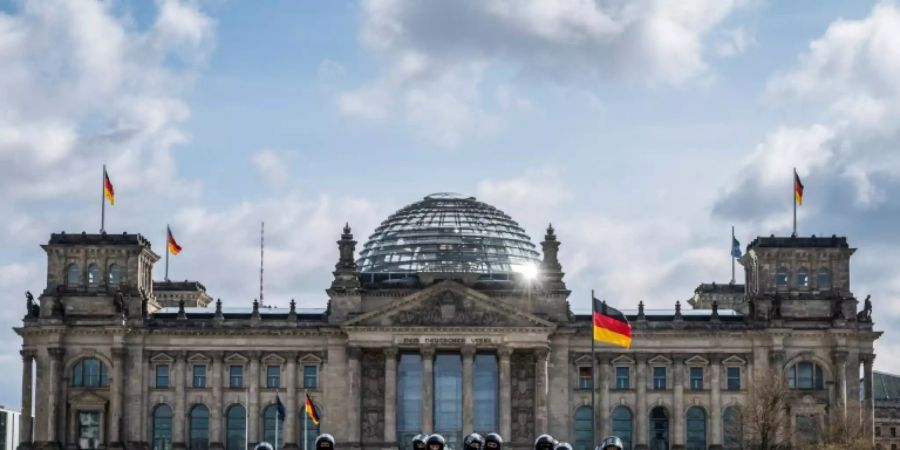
pixel 311 410
pixel 108 190
pixel 610 325
pixel 798 189
pixel 171 245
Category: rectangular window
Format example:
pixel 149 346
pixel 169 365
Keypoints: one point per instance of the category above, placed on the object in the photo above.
pixel 409 396
pixel 622 378
pixel 310 377
pixel 585 378
pixel 877 431
pixel 236 376
pixel 162 376
pixel 486 386
pixel 448 397
pixel 734 378
pixel 696 378
pixel 199 377
pixel 273 376
pixel 893 432
pixel 88 429
pixel 659 378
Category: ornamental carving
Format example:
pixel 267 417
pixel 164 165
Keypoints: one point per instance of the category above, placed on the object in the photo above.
pixel 522 384
pixel 372 390
pixel 452 309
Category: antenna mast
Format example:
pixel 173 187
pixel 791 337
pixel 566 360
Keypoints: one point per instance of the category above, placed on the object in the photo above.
pixel 262 230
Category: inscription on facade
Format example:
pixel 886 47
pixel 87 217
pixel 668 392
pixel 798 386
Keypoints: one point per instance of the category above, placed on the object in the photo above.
pixel 447 340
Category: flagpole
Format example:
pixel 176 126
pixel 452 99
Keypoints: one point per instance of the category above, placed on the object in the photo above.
pixel 167 252
pixel 794 200
pixel 277 419
pixel 247 420
pixel 732 255
pixel 305 423
pixel 593 376
pixel 103 201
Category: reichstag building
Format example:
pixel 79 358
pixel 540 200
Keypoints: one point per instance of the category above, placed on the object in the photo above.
pixel 448 320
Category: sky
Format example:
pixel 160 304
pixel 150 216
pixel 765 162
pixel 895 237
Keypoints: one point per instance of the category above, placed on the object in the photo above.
pixel 643 130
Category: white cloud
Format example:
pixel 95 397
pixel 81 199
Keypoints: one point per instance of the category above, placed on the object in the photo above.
pixel 271 167
pixel 536 189
pixel 735 42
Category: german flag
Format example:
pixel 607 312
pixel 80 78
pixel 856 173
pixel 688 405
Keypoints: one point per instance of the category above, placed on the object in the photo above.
pixel 798 189
pixel 108 190
pixel 171 245
pixel 311 410
pixel 610 325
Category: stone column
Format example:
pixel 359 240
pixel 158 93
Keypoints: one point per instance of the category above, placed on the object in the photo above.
pixel 868 413
pixel 54 431
pixel 678 403
pixel 603 366
pixel 840 383
pixel 505 391
pixel 715 415
pixel 558 401
pixel 178 416
pixel 216 439
pixel 290 394
pixel 353 394
pixel 390 396
pixel 116 392
pixel 427 389
pixel 468 393
pixel 642 418
pixel 540 390
pixel 25 437
pixel 253 411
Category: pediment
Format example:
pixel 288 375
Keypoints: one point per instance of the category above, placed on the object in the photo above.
pixel 162 358
pixel 584 360
pixel 87 398
pixel 623 360
pixel 452 304
pixel 734 361
pixel 198 358
pixel 236 358
pixel 697 360
pixel 660 360
pixel 273 358
pixel 310 358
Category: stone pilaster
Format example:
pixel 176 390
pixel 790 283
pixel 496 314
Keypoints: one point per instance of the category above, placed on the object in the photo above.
pixel 427 389
pixel 468 394
pixel 116 399
pixel 54 430
pixel 353 394
pixel 253 410
pixel 604 378
pixel 678 436
pixel 290 394
pixel 642 417
pixel 25 437
pixel 840 382
pixel 715 413
pixel 390 396
pixel 179 377
pixel 558 385
pixel 540 388
pixel 868 413
pixel 505 391
pixel 216 437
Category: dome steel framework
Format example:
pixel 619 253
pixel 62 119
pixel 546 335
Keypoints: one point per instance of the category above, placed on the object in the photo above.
pixel 448 233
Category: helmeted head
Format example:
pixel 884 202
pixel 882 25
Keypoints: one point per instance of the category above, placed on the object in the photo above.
pixel 611 443
pixel 544 442
pixel 435 442
pixel 418 441
pixel 563 446
pixel 473 441
pixel 325 442
pixel 493 441
pixel 263 446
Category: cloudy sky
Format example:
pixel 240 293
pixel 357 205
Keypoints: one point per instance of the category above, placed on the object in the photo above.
pixel 643 130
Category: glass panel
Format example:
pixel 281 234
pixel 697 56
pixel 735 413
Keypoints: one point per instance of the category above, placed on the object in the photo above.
pixel 824 281
pixel 732 428
pixel 804 375
pixel 199 376
pixel 622 375
pixel 88 429
pixel 583 432
pixel 659 429
pixel 162 428
pixel 807 429
pixel 270 422
pixel 734 378
pixel 781 276
pixel 696 378
pixel 73 275
pixel 585 378
pixel 696 429
pixel 104 375
pixel 311 432
pixel 77 378
pixel 310 377
pixel 485 375
pixel 622 425
pixel 236 376
pixel 659 378
pixel 409 399
pixel 114 275
pixel 93 275
pixel 802 277
pixel 235 437
pixel 162 376
pixel 448 398
pixel 273 376
pixel 199 428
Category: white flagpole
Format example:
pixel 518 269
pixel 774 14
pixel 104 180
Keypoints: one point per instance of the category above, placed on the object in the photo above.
pixel 305 420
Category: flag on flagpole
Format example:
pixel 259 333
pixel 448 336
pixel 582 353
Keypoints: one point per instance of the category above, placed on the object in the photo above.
pixel 735 247
pixel 311 410
pixel 108 190
pixel 280 407
pixel 171 245
pixel 798 189
pixel 610 325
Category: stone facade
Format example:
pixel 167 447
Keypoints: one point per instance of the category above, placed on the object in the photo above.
pixel 541 346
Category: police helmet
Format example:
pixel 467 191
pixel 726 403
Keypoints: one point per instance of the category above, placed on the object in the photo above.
pixel 418 441
pixel 493 441
pixel 263 446
pixel 563 446
pixel 325 441
pixel 544 442
pixel 436 439
pixel 471 440
pixel 611 443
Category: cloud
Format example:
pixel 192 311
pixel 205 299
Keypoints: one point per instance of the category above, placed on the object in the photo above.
pixel 735 42
pixel 434 53
pixel 271 167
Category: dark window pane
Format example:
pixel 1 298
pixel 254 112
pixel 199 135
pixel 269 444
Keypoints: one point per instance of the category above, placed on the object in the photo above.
pixel 236 376
pixel 310 377
pixel 448 398
pixel 696 378
pixel 583 433
pixel 622 425
pixel 235 437
pixel 270 417
pixel 734 378
pixel 659 378
pixel 162 428
pixel 485 377
pixel 409 398
pixel 273 376
pixel 622 377
pixel 162 376
pixel 199 432
pixel 585 378
pixel 696 429
pixel 199 377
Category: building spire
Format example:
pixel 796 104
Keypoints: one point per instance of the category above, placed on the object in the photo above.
pixel 551 269
pixel 346 272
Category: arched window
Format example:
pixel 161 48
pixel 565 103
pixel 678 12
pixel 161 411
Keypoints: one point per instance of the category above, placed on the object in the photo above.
pixel 733 429
pixel 90 372
pixel 312 431
pixel 659 429
pixel 824 279
pixel 93 275
pixel 114 275
pixel 270 418
pixel 235 431
pixel 805 375
pixel 622 425
pixel 802 277
pixel 781 276
pixel 73 275
pixel 583 434
pixel 696 428
pixel 162 428
pixel 199 428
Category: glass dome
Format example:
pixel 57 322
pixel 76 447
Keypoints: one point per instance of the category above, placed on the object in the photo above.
pixel 448 233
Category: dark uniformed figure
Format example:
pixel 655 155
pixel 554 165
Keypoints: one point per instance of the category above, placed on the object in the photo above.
pixel 563 446
pixel 435 442
pixel 493 441
pixel 611 443
pixel 325 442
pixel 263 446
pixel 418 442
pixel 473 441
pixel 544 442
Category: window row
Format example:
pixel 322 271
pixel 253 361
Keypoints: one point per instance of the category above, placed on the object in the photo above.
pixel 801 277
pixel 75 277
pixel 235 376
pixel 661 378
pixel 235 422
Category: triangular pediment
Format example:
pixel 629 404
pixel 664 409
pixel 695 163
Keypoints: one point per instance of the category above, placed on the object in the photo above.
pixel 87 398
pixel 659 360
pixel 697 360
pixel 734 360
pixel 449 304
